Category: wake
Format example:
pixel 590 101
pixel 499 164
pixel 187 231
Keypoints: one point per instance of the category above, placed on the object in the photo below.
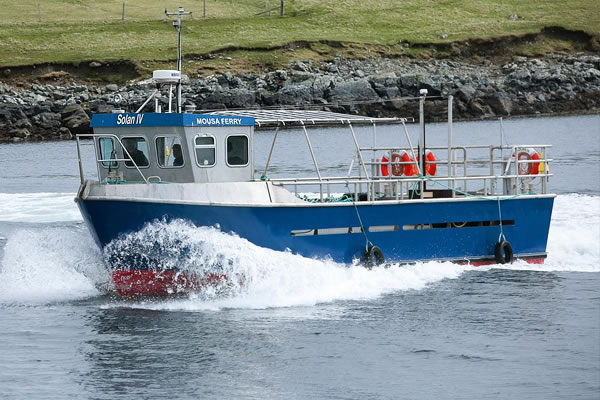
pixel 49 264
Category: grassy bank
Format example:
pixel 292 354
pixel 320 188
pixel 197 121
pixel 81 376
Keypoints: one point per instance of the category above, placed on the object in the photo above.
pixel 78 30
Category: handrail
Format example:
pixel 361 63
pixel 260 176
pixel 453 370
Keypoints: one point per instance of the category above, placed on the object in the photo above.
pixel 474 146
pixel 312 153
pixel 98 161
pixel 310 178
pixel 81 177
pixel 405 179
pixel 271 151
pixel 488 191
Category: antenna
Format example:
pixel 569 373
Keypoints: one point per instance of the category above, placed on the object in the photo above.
pixel 177 25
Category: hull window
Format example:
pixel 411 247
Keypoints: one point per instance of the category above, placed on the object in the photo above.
pixel 384 228
pixel 461 224
pixel 326 231
pixel 169 153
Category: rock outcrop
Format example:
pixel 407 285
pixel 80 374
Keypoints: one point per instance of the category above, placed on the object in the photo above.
pixel 373 86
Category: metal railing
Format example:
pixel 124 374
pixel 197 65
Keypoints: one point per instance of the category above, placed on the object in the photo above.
pixel 502 179
pixel 100 160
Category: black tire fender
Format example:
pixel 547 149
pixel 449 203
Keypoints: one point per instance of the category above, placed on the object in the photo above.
pixel 374 257
pixel 503 252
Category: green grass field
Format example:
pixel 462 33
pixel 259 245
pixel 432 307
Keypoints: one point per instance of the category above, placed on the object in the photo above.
pixel 77 30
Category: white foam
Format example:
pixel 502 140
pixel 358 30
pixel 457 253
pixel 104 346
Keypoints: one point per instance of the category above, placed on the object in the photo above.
pixel 282 279
pixel 574 239
pixel 38 207
pixel 54 264
pixel 50 264
pixel 267 278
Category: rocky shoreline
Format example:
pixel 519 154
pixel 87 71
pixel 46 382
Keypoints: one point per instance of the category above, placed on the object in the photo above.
pixel 372 86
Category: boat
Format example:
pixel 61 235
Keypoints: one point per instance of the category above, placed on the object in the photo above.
pixel 404 203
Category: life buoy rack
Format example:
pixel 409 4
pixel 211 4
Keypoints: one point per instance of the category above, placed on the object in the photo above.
pixel 528 168
pixel 398 169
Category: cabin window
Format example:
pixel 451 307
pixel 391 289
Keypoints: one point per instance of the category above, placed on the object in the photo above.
pixel 205 150
pixel 137 147
pixel 106 148
pixel 237 150
pixel 169 153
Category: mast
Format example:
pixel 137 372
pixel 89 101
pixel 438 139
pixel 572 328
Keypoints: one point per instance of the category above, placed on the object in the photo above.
pixel 177 24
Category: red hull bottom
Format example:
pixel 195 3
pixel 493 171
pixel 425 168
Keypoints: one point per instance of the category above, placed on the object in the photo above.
pixel 163 283
pixel 532 260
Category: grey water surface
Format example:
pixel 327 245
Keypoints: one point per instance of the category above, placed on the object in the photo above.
pixel 430 331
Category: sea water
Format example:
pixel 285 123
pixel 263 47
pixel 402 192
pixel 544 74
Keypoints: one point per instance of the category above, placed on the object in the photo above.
pixel 300 328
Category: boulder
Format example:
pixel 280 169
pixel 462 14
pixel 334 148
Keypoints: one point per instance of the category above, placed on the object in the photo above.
pixel 388 79
pixel 298 76
pixel 47 120
pixel 300 66
pixel 480 110
pixel 75 118
pixel 11 112
pixel 500 104
pixel 592 74
pixel 100 106
pixel 65 133
pixel 359 89
pixel 21 133
pixel 410 82
pixel 385 84
pixel 233 98
pixel 320 84
pixel 22 123
pixel 465 93
pixel 296 94
pixel 41 108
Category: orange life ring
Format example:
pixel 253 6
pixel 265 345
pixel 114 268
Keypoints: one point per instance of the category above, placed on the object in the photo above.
pixel 430 169
pixel 409 169
pixel 397 169
pixel 384 166
pixel 528 168
pixel 406 169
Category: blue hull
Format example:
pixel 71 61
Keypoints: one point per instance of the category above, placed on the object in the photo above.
pixel 528 222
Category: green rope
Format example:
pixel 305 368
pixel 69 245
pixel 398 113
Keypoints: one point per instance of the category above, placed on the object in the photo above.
pixel 501 236
pixel 119 181
pixel 362 227
pixel 342 199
